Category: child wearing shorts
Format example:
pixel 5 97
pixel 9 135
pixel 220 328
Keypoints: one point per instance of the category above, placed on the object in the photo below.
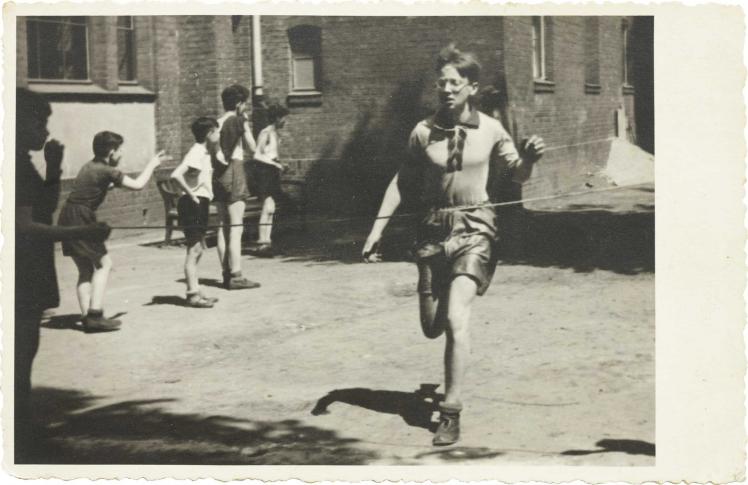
pixel 267 173
pixel 230 184
pixel 194 175
pixel 89 191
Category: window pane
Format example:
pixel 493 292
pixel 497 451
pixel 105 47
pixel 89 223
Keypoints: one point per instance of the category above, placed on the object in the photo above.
pixel 303 73
pixel 537 48
pixel 126 54
pixel 57 49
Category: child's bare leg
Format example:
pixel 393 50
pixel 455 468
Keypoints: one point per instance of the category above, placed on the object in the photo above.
pixel 98 283
pixel 194 250
pixel 83 288
pixel 457 353
pixel 222 235
pixel 433 306
pixel 266 221
pixel 236 217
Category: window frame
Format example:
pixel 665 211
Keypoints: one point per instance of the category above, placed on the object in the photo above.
pixel 592 55
pixel 304 96
pixel 42 19
pixel 626 85
pixel 541 40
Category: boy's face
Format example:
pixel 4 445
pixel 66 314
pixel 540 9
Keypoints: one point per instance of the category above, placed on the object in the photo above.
pixel 115 156
pixel 242 107
pixel 280 123
pixel 32 132
pixel 212 139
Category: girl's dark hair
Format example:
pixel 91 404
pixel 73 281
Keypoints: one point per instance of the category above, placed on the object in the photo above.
pixel 106 141
pixel 233 95
pixel 202 126
pixel 465 62
pixel 275 112
pixel 31 106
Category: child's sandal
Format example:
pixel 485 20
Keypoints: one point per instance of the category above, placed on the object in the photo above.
pixel 197 301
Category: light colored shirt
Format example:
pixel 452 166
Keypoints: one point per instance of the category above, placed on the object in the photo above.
pixel 198 175
pixel 267 146
pixel 453 162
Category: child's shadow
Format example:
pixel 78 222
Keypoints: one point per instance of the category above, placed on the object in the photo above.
pixel 416 408
pixel 70 321
pixel 167 300
pixel 206 282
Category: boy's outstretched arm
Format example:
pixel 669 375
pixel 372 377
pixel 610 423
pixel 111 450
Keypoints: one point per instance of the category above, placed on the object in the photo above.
pixel 390 203
pixel 139 182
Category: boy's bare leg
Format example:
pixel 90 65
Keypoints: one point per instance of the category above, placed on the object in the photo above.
pixel 99 281
pixel 194 250
pixel 83 288
pixel 266 221
pixel 433 307
pixel 222 235
pixel 457 353
pixel 236 218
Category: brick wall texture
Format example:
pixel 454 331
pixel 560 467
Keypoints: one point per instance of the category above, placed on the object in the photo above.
pixel 377 76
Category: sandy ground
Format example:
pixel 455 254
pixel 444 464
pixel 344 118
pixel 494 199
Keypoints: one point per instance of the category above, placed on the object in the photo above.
pixel 326 364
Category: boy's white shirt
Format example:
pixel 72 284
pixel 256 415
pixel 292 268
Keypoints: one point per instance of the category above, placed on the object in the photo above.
pixel 200 171
pixel 267 146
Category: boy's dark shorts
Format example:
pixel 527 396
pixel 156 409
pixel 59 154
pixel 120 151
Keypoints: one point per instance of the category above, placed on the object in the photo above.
pixel 455 243
pixel 266 181
pixel 230 185
pixel 193 217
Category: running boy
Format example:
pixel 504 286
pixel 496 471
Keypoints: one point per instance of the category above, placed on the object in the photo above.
pixel 89 191
pixel 449 159
pixel 266 173
pixel 194 174
pixel 35 278
pixel 230 184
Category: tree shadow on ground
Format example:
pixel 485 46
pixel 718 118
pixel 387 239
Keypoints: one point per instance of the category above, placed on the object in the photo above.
pixel 416 408
pixel 144 432
pixel 631 447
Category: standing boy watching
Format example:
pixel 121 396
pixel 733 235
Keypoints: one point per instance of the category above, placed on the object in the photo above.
pixel 194 175
pixel 230 184
pixel 35 278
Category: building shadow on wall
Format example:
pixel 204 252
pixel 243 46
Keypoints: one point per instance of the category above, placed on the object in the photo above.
pixel 144 432
pixel 351 179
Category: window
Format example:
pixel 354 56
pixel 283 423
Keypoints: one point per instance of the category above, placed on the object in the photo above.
pixel 305 43
pixel 542 53
pixel 625 32
pixel 538 49
pixel 126 48
pixel 592 55
pixel 57 47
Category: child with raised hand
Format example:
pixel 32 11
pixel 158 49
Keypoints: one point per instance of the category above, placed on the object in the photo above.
pixel 35 278
pixel 230 184
pixel 89 191
pixel 194 175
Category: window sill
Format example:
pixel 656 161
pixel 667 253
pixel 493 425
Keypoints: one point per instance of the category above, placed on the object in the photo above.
pixel 628 89
pixel 304 98
pixel 544 86
pixel 86 91
pixel 590 88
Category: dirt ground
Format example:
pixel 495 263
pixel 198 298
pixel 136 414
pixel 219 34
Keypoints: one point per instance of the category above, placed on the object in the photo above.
pixel 326 364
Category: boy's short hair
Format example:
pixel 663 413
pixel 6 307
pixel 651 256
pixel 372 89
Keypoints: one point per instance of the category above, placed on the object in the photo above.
pixel 31 106
pixel 106 141
pixel 275 112
pixel 202 126
pixel 465 62
pixel 233 95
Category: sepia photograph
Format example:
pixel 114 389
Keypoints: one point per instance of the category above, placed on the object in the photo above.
pixel 333 240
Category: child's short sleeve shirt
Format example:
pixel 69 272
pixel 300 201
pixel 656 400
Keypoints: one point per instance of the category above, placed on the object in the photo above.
pixel 92 183
pixel 199 173
pixel 231 127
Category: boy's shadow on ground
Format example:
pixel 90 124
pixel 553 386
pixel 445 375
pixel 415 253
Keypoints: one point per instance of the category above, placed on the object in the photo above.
pixel 69 321
pixel 416 408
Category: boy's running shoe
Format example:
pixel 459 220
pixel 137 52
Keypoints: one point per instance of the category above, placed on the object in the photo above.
pixel 198 301
pixel 240 283
pixel 448 431
pixel 95 322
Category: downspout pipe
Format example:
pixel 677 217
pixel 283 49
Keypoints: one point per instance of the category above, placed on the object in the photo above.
pixel 258 95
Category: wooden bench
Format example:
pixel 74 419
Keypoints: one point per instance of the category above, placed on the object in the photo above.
pixel 171 191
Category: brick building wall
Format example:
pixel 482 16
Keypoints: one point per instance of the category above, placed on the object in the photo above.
pixel 376 83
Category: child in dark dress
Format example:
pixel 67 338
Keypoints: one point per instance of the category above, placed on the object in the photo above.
pixel 89 191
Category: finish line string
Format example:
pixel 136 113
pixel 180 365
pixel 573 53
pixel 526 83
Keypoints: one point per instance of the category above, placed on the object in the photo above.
pixel 408 214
